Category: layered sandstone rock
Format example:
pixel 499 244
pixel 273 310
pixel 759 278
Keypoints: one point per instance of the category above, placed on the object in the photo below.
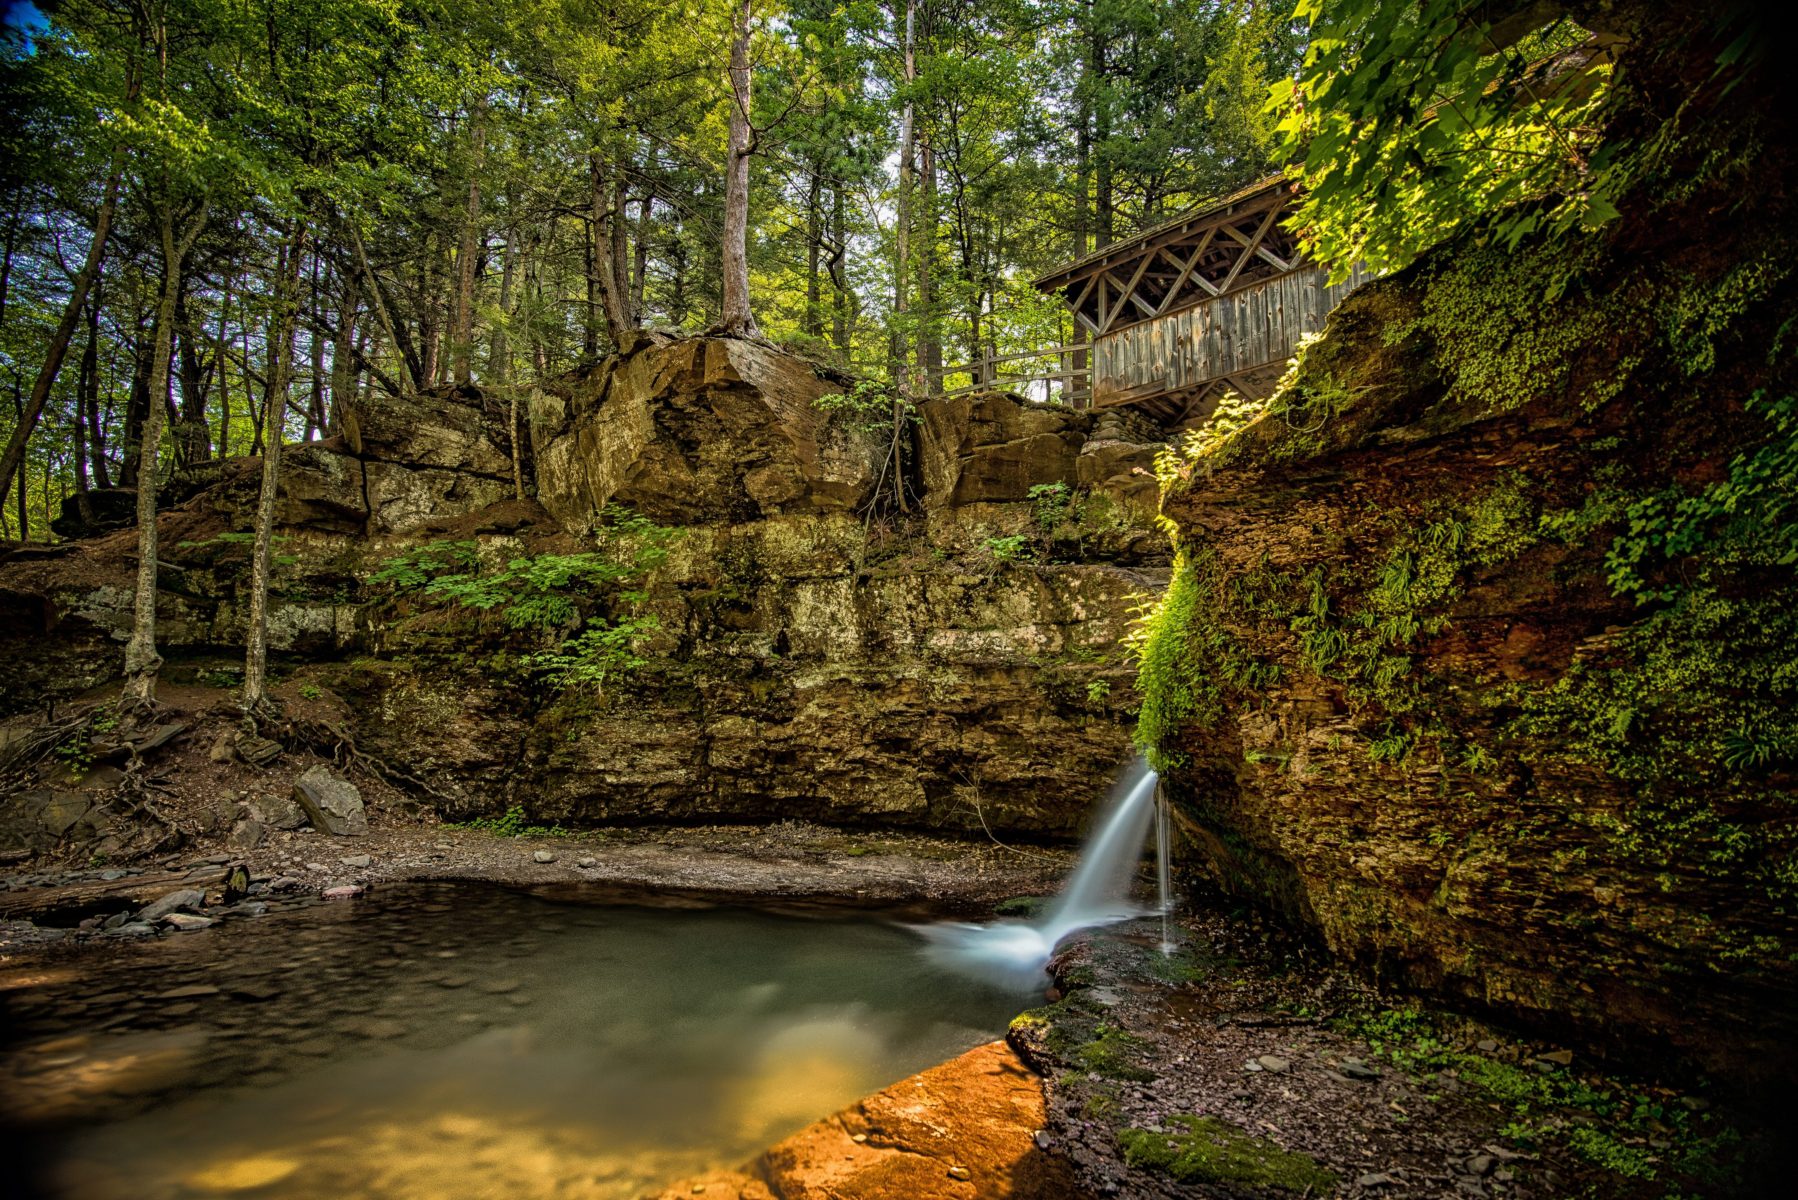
pixel 815 655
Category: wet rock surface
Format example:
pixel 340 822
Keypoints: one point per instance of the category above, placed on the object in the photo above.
pixel 965 1129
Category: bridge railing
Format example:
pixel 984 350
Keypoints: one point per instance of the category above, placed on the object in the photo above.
pixel 1058 374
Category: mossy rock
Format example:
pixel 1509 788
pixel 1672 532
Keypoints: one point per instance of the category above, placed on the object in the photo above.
pixel 1212 1151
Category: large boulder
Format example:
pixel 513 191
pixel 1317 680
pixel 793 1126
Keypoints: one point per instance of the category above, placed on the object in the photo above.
pixel 333 803
pixel 699 430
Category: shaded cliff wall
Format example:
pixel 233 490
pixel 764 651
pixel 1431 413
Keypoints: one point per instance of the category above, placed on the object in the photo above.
pixel 813 653
pixel 1481 651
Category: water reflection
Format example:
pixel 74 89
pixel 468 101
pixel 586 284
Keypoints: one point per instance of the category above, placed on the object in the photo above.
pixel 455 1041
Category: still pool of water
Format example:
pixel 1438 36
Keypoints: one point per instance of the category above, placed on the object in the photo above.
pixel 437 1041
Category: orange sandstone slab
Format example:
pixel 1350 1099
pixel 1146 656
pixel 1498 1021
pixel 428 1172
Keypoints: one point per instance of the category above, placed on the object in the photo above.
pixel 964 1130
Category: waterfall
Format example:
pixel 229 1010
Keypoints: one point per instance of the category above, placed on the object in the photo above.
pixel 1164 868
pixel 1097 893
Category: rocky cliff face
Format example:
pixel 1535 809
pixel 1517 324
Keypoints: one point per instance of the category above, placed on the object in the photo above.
pixel 812 651
pixel 1478 655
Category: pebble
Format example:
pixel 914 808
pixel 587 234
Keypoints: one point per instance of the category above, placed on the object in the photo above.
pixel 858 1138
pixel 255 992
pixel 1354 1068
pixel 1042 1139
pixel 1375 1179
pixel 1480 1164
pixel 960 1173
pixel 588 862
pixel 1274 1063
pixel 1560 1058
pixel 317 867
pixel 1486 1046
pixel 543 856
pixel 343 891
pixel 357 860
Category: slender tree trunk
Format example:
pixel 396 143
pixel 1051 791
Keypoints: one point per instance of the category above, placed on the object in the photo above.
pixel 468 252
pixel 14 456
pixel 410 365
pixel 221 345
pixel 930 346
pixel 903 218
pixel 87 385
pixel 280 358
pixel 619 229
pixel 343 354
pixel 141 660
pixel 1102 171
pixel 839 282
pixel 813 323
pixel 137 399
pixel 499 348
pixel 18 407
pixel 610 274
pixel 736 318
pixel 640 269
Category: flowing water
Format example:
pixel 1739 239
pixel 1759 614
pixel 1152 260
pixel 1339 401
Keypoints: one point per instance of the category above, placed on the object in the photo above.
pixel 433 1041
pixel 1014 953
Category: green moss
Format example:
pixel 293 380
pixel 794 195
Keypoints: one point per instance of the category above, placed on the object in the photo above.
pixel 1111 1053
pixel 1212 1151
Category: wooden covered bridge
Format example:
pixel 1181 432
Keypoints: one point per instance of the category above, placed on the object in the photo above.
pixel 1209 302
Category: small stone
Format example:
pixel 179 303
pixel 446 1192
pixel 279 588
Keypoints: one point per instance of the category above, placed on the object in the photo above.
pixel 317 867
pixel 254 992
pixel 1354 1068
pixel 343 891
pixel 454 981
pixel 115 920
pixel 109 876
pixel 1486 1046
pixel 186 922
pixel 445 845
pixel 357 860
pixel 961 1173
pixel 543 856
pixel 1480 1164
pixel 256 750
pixel 1375 1179
pixel 1252 1065
pixel 858 1138
pixel 1274 1063
pixel 698 1188
pixel 588 862
pixel 1559 1058
pixel 1042 1139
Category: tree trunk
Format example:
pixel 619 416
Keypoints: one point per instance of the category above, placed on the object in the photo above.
pixel 18 406
pixel 33 407
pixel 736 319
pixel 813 323
pixel 141 660
pixel 413 369
pixel 220 346
pixel 930 346
pixel 839 252
pixel 1102 187
pixel 468 252
pixel 903 218
pixel 280 358
pixel 499 348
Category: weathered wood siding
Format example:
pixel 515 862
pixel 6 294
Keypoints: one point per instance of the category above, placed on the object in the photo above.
pixel 1250 327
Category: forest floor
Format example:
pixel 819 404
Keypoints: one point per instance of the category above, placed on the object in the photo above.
pixel 1239 1060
